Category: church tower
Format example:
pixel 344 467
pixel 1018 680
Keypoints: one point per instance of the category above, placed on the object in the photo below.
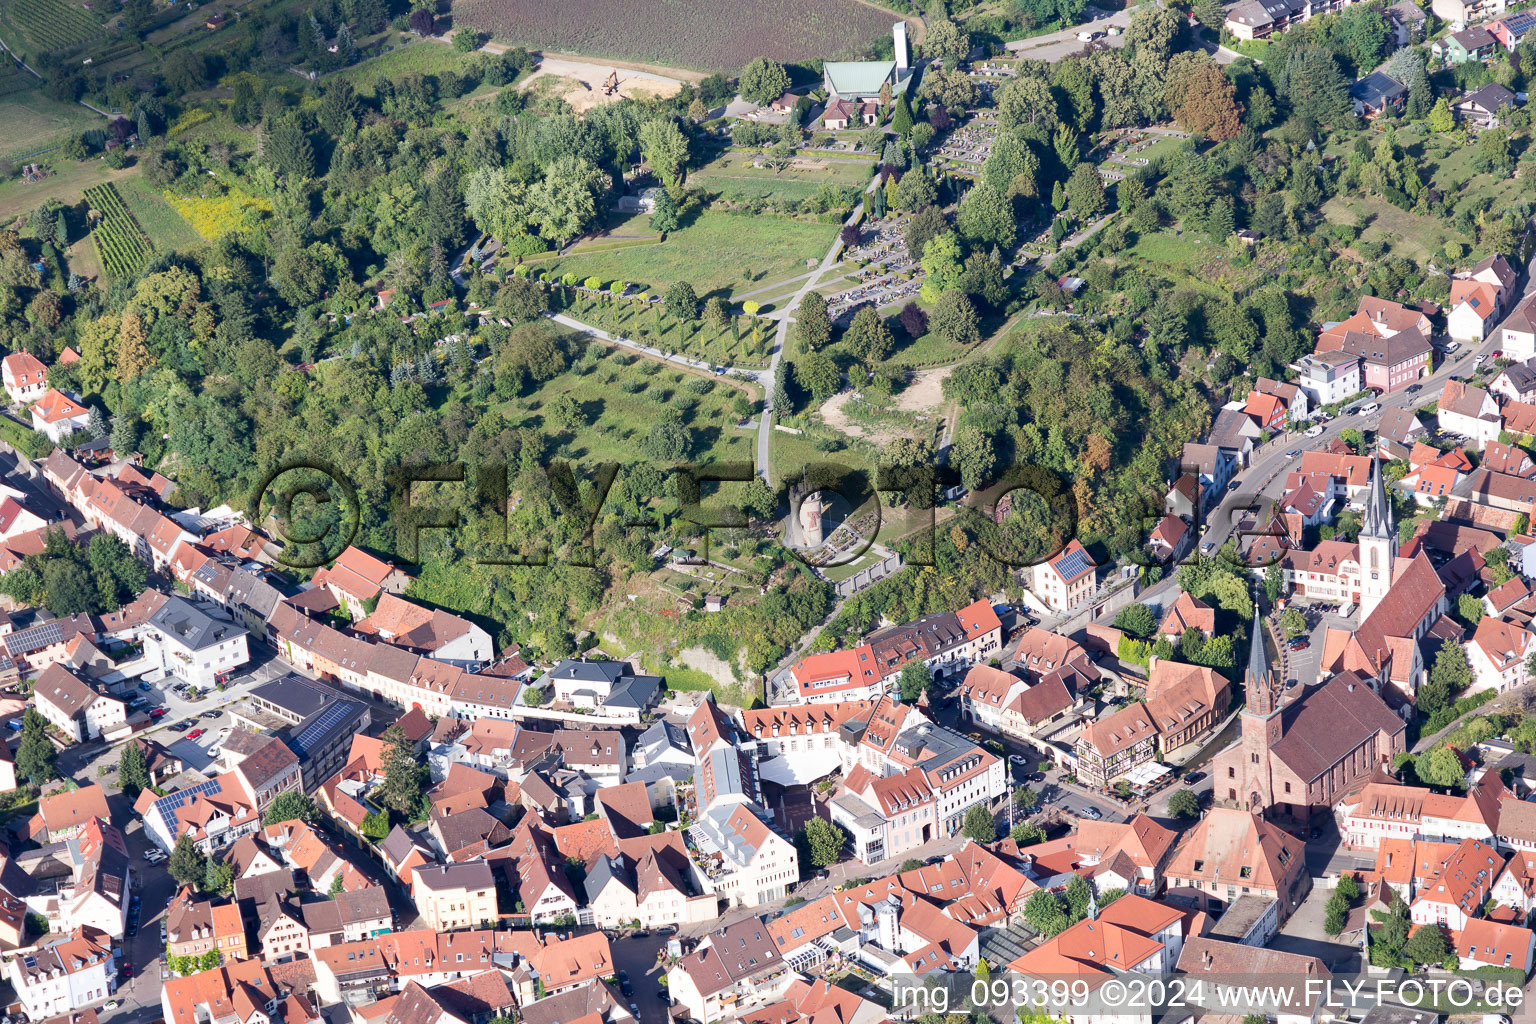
pixel 1260 727
pixel 1378 545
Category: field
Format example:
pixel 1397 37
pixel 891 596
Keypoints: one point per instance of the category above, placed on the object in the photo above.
pixel 621 396
pixel 33 123
pixel 409 56
pixel 1403 233
pixel 166 228
pixel 213 216
pixel 733 346
pixel 35 27
pixel 714 35
pixel 121 244
pixel 734 177
pixel 714 253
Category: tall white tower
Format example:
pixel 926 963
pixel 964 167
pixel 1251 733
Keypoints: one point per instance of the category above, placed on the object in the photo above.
pixel 1378 545
pixel 899 37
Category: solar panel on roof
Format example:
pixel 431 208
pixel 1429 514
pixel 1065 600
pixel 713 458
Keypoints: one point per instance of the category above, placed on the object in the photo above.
pixel 1072 564
pixel 329 719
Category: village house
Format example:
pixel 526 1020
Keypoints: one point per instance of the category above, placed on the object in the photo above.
pixel 1067 579
pixel 58 416
pixel 25 377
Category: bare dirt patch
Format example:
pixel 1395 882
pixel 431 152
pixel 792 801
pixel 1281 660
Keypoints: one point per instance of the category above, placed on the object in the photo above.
pixel 926 390
pixel 581 84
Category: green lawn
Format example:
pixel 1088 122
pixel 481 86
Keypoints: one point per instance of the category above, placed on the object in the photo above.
pixel 410 55
pixel 165 227
pixel 716 253
pixel 734 177
pixel 617 418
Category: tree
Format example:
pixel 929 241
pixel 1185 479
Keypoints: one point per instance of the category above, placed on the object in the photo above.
pixel 565 201
pixel 218 877
pixel 979 824
pixel 36 756
pixel 716 313
pixel 901 119
pixel 1044 914
pixel 1469 608
pixel 466 40
pixel 824 840
pixel 760 499
pixel 914 191
pixel 665 217
pixel 954 319
pixel 1026 834
pixel 1440 767
pixel 423 23
pixel 974 455
pixel 1184 804
pixel 914 680
pixel 1085 191
pixel 913 320
pixel 1427 945
pixel 868 338
pixel 1078 895
pixel 682 302
pixel 1293 623
pixel 1151 37
pixel 665 149
pixel 764 80
pixel 1448 676
pixel 1137 620
pixel 1335 915
pixel 946 41
pixel 132 770
pixel 1348 887
pixel 818 374
pixel 668 441
pixel 187 864
pixel 404 775
pixel 1390 934
pixel 1440 117
pixel 986 217
pixel 1209 102
pixel 375 826
pixel 813 325
pixel 293 804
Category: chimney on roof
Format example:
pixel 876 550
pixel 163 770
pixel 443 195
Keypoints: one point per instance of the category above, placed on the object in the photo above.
pixel 1205 959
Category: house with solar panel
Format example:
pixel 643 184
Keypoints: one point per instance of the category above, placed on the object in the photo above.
pixel 184 641
pixel 317 722
pixel 212 814
pixel 1067 580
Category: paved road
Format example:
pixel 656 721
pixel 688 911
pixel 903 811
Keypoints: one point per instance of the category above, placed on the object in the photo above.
pixel 1054 46
pixel 781 336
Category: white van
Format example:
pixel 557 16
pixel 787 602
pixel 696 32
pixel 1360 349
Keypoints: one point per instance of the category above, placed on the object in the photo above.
pixel 1371 408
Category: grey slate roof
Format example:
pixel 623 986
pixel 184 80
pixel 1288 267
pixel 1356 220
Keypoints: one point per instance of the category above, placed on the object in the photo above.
pixel 193 627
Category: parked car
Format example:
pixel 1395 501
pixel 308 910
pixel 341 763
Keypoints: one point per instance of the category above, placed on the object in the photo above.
pixel 196 734
pixel 1093 812
pixel 1314 431
pixel 1193 777
pixel 1453 346
pixel 1497 353
pixel 1370 409
pixel 1017 759
pixel 145 687
pixel 1413 389
pixel 159 712
pixel 1293 453
pixel 211 714
pixel 127 970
